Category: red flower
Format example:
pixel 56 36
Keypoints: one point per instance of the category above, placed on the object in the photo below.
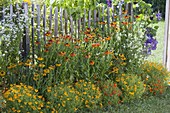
pixel 72 54
pixel 115 85
pixel 95 44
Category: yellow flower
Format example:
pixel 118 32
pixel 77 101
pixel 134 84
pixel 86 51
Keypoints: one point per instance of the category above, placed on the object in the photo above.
pixel 58 65
pixel 51 67
pixel 40 58
pixel 65 93
pixel 75 109
pixel 2 73
pixel 27 1
pixel 46 71
pixel 84 93
pixel 36 90
pixel 131 93
pixel 41 65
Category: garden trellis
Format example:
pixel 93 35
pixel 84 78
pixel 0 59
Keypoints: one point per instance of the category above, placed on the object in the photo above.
pixel 61 23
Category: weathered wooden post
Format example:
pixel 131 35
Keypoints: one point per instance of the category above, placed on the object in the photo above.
pixel 26 39
pixel 166 56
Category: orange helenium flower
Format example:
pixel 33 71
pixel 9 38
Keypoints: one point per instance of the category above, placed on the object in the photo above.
pixel 72 54
pixel 48 33
pixel 67 44
pixel 95 44
pixel 62 53
pixel 108 38
pixel 91 62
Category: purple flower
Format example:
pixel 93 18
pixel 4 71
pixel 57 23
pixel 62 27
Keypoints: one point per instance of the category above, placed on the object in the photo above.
pixel 159 16
pixel 150 43
pixel 109 3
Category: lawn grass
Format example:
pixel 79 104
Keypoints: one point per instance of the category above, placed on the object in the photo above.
pixel 157 55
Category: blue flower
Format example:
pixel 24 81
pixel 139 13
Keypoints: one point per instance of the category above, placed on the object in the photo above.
pixel 159 16
pixel 109 3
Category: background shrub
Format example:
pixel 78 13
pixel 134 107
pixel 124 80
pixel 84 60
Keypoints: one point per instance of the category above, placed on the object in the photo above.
pixel 158 5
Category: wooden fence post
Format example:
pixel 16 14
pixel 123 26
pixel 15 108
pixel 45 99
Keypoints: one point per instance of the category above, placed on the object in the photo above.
pixel 32 24
pixel 56 22
pixel 166 56
pixel 44 22
pixel 26 39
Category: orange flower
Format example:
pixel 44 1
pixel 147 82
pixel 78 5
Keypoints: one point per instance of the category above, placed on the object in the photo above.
pixel 86 39
pixel 67 37
pixel 48 33
pixel 113 24
pixel 91 62
pixel 67 44
pixel 108 38
pixel 88 29
pixel 102 23
pixel 125 23
pixel 126 17
pixel 124 12
pixel 72 54
pixel 107 52
pixel 62 53
pixel 48 45
pixel 95 44
pixel 57 41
